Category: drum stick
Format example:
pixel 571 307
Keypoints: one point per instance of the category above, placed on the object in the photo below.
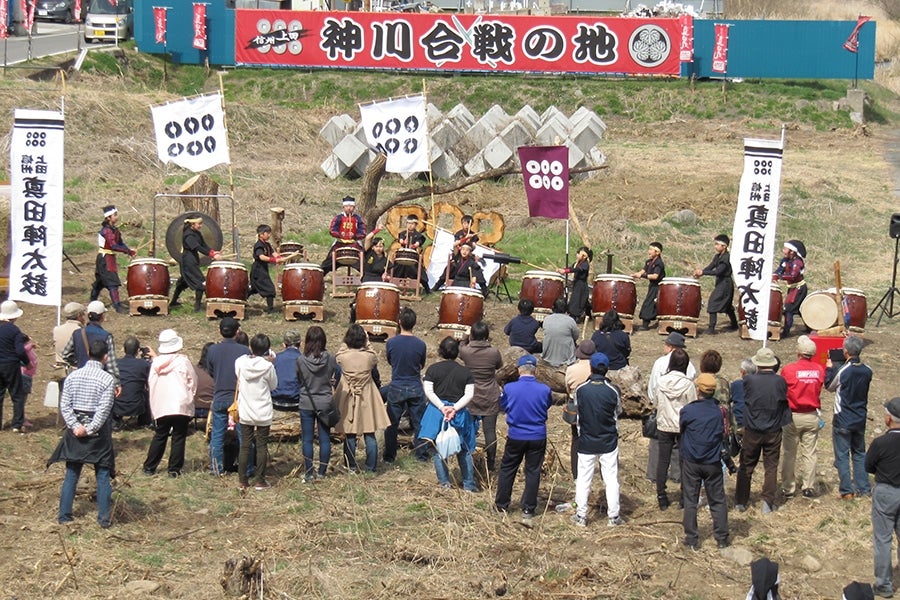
pixel 223 256
pixel 290 256
pixel 839 296
pixel 620 271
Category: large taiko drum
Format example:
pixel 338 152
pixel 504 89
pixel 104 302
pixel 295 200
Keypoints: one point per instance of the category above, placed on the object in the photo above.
pixel 461 307
pixel 290 248
pixel 378 306
pixel 407 256
pixel 679 299
pixel 820 310
pixel 614 292
pixel 776 308
pixel 227 281
pixel 302 283
pixel 148 278
pixel 347 256
pixel 542 288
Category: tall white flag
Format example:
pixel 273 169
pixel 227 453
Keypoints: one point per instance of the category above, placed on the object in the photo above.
pixel 191 133
pixel 753 236
pixel 36 206
pixel 398 129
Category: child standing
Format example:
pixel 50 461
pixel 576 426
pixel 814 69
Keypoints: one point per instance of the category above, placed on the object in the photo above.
pixel 28 373
pixel 263 256
pixel 255 381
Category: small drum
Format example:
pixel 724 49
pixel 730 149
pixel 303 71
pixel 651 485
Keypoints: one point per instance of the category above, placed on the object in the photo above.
pixel 616 292
pixel 776 308
pixel 407 256
pixel 148 278
pixel 378 306
pixel 542 288
pixel 302 282
pixel 679 299
pixel 347 255
pixel 289 248
pixel 227 281
pixel 821 310
pixel 461 308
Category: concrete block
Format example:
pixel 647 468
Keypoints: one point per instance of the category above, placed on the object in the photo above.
pixel 350 149
pixel 446 134
pixel 583 115
pixel 475 165
pixel 446 166
pixel 336 128
pixel 497 153
pixel 333 167
pixel 577 158
pixel 585 134
pixel 359 132
pixel 461 116
pixel 528 117
pixel 497 115
pixel 596 156
pixel 359 167
pixel 481 133
pixel 433 115
pixel 516 134
pixel 550 134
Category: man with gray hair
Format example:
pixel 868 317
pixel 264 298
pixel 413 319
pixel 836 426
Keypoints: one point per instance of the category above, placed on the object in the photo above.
pixel 850 383
pixel 805 379
pixel 883 461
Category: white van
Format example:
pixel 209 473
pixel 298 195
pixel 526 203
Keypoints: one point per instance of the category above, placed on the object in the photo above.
pixel 109 20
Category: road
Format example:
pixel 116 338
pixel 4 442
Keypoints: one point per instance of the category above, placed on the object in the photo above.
pixel 51 38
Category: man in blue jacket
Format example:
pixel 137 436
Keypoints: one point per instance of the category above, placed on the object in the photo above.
pixel 850 384
pixel 526 403
pixel 220 359
pixel 599 405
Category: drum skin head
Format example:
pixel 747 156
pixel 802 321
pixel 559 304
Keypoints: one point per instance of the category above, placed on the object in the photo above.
pixel 819 311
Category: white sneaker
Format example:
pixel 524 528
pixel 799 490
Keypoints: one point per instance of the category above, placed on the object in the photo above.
pixel 578 520
pixel 615 521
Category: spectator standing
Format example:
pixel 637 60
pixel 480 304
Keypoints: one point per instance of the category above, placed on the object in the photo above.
pixel 221 358
pixel 255 381
pixel 318 373
pixel 13 356
pixel 404 394
pixel 805 378
pixel 76 351
pixel 673 392
pixel 576 374
pixel 883 461
pixel 206 385
pixel 286 397
pixel 483 360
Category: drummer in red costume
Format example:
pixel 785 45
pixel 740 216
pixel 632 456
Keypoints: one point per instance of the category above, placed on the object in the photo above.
pixel 347 228
pixel 790 270
pixel 106 272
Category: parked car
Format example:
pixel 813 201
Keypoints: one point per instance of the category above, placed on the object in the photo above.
pixel 108 20
pixel 59 10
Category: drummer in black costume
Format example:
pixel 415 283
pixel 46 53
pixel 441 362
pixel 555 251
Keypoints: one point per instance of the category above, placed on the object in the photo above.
pixel 412 239
pixel 720 301
pixel 263 255
pixel 580 300
pixel 192 245
pixel 375 260
pixel 654 272
pixel 465 271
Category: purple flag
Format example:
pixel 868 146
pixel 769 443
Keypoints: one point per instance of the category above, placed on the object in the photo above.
pixel 545 170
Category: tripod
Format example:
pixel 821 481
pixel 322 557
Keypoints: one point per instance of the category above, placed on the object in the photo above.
pixel 886 304
pixel 500 285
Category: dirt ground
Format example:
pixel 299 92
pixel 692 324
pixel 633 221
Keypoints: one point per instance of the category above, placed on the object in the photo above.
pixel 396 534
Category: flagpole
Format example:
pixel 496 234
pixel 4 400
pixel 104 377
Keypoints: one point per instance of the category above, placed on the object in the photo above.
pixel 234 230
pixel 567 257
pixel 428 149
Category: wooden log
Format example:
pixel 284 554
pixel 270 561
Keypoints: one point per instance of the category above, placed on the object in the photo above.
pixel 276 220
pixel 206 188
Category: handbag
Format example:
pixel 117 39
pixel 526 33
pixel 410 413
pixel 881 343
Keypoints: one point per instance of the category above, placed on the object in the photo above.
pixel 233 409
pixel 447 442
pixel 329 415
pixel 570 412
pixel 648 426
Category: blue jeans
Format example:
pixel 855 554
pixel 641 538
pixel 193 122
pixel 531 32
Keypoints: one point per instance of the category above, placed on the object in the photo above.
pixel 217 442
pixel 371 452
pixel 849 444
pixel 466 470
pixel 70 483
pixel 308 423
pixel 400 399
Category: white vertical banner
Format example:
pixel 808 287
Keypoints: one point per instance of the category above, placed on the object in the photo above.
pixel 191 133
pixel 36 206
pixel 753 236
pixel 398 129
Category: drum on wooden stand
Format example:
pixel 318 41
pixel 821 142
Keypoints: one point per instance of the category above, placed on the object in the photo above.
pixel 302 291
pixel 678 304
pixel 148 278
pixel 407 256
pixel 290 248
pixel 461 308
pixel 614 292
pixel 775 317
pixel 227 286
pixel 378 308
pixel 821 310
pixel 347 256
pixel 542 288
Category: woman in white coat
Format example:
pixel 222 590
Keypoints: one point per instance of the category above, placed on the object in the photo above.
pixel 673 391
pixel 255 381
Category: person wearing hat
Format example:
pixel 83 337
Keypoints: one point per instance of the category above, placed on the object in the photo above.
pixel 412 239
pixel 106 272
pixel 76 352
pixel 702 436
pixel 883 461
pixel 805 378
pixel 850 383
pixel 286 396
pixel 347 229
pixel 526 403
pixel 654 272
pixel 766 413
pixel 74 314
pixel 13 356
pixel 192 246
pixel 723 294
pixel 599 405
pixel 172 388
pixel 674 340
pixel 580 298
pixel 791 270
pixel 220 359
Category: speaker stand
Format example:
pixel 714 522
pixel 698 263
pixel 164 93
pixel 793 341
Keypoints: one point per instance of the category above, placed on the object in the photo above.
pixel 886 304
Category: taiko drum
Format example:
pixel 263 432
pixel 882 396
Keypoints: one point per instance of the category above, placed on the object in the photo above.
pixel 406 256
pixel 378 304
pixel 679 299
pixel 302 282
pixel 614 292
pixel 461 308
pixel 347 256
pixel 226 280
pixel 821 310
pixel 542 288
pixel 776 308
pixel 148 278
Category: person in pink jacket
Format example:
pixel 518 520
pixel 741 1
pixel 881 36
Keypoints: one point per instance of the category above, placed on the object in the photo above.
pixel 172 385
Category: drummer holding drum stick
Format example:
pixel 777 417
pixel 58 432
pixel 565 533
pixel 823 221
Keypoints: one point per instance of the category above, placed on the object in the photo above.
pixel 411 239
pixel 654 272
pixel 192 245
pixel 790 270
pixel 106 272
pixel 722 295
pixel 347 229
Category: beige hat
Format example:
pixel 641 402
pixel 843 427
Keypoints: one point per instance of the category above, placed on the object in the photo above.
pixel 764 357
pixel 706 384
pixel 72 310
pixel 9 310
pixel 806 346
pixel 169 341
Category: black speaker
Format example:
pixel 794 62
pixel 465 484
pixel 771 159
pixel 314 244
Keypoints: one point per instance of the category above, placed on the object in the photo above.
pixel 895 225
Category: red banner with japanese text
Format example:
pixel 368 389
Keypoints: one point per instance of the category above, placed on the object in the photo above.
pixel 852 43
pixel 199 26
pixel 77 14
pixel 159 22
pixel 686 27
pixel 463 42
pixel 720 51
pixel 4 19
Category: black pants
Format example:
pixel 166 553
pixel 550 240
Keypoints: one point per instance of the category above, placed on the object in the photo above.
pixel 177 427
pixel 667 442
pixel 712 478
pixel 532 451
pixel 11 381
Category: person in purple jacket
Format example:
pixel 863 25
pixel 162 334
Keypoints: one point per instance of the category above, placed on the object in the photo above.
pixel 526 403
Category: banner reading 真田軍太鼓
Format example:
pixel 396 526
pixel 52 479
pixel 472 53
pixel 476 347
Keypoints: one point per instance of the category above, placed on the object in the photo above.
pixel 464 42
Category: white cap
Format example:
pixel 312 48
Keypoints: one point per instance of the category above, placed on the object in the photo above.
pixel 169 341
pixel 96 307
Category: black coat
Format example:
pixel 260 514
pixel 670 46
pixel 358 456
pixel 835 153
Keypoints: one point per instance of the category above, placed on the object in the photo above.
pixel 723 294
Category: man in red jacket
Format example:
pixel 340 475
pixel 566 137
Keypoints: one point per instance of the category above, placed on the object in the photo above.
pixel 805 379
